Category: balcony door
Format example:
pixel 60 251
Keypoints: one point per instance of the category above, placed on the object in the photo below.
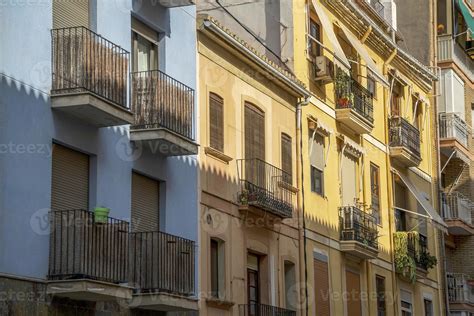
pixel 144 47
pixel 349 183
pixel 70 13
pixel 254 145
pixel 145 203
pixel 354 304
pixel 253 290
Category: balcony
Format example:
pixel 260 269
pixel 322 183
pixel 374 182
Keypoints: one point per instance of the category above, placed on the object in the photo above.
pixel 404 142
pixel 460 292
pixel 454 134
pixel 354 104
pixel 264 187
pixel 450 51
pixel 358 232
pixel 457 211
pixel 176 3
pixel 164 113
pixel 263 310
pixel 87 260
pixel 89 77
pixel 162 269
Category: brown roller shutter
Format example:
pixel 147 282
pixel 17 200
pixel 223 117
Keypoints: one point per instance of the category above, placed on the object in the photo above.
pixel 321 287
pixel 70 13
pixel 70 179
pixel 254 132
pixel 145 204
pixel 286 156
pixel 216 120
pixel 353 293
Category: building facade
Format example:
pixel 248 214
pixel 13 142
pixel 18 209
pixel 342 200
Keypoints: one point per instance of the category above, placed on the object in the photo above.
pixel 99 144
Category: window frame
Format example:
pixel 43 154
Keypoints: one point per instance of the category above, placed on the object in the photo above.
pixel 287 138
pixel 313 182
pixel 380 311
pixel 375 169
pixel 219 274
pixel 219 101
pixel 425 310
pixel 312 39
pixel 371 79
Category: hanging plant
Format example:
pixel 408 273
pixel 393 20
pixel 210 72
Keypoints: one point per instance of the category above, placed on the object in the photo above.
pixel 405 263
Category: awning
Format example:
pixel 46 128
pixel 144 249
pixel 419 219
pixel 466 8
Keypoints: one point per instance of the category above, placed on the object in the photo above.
pixel 357 44
pixel 430 211
pixel 467 16
pixel 328 28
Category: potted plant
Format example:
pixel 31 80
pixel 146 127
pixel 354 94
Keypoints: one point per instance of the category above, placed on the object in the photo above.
pixel 101 214
pixel 405 264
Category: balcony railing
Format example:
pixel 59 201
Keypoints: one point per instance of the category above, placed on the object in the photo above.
pixel 422 250
pixel 357 225
pixel 161 262
pixel 263 310
pixel 460 288
pixel 82 249
pixel 449 50
pixel 451 125
pixel 160 101
pixel 457 206
pixel 351 94
pixel 265 186
pixel 84 61
pixel 404 134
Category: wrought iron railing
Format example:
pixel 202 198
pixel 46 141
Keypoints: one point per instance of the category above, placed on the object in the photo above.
pixel 357 225
pixel 265 186
pixel 80 248
pixel 85 61
pixel 351 94
pixel 457 206
pixel 161 262
pixel 264 310
pixel 451 125
pixel 160 101
pixel 404 134
pixel 460 288
pixel 418 252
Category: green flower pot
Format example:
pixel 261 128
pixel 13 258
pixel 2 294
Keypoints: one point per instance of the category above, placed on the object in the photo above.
pixel 101 214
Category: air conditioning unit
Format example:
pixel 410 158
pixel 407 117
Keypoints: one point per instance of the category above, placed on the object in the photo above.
pixel 323 69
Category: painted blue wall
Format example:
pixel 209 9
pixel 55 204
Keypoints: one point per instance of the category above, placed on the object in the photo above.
pixel 26 119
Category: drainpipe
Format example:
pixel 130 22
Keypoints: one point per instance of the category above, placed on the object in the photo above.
pixel 300 201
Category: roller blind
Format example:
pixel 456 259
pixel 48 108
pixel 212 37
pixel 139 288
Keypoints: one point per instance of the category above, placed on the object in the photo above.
pixel 145 203
pixel 321 287
pixel 216 122
pixel 317 151
pixel 70 13
pixel 70 179
pixel 349 183
pixel 353 289
pixel 286 156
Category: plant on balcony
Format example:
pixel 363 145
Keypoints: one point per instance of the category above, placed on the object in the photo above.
pixel 427 260
pixel 345 96
pixel 405 264
pixel 101 215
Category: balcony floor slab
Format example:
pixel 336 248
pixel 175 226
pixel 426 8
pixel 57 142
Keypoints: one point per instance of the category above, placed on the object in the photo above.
pixel 458 227
pixel 358 249
pixel 404 156
pixel 164 141
pixel 163 302
pixel 91 109
pixel 354 121
pixel 88 290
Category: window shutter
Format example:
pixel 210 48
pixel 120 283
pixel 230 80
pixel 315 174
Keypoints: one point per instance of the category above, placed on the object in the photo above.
pixel 254 132
pixel 286 156
pixel 349 184
pixel 317 153
pixel 353 289
pixel 70 179
pixel 216 119
pixel 145 204
pixel 70 13
pixel 321 287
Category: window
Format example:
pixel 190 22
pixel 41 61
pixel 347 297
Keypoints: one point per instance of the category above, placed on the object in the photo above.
pixel 396 99
pixel 216 122
pixel 286 158
pixel 321 284
pixel 371 84
pixel 317 163
pixel 254 132
pixel 375 191
pixel 291 294
pixel 349 179
pixel 428 307
pixel 315 34
pixel 253 283
pixel 406 304
pixel 417 114
pixel 380 288
pixel 144 47
pixel 217 268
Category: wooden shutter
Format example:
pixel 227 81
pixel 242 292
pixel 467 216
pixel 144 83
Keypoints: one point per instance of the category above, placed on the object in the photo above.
pixel 254 132
pixel 354 306
pixel 70 13
pixel 70 179
pixel 349 184
pixel 145 204
pixel 321 286
pixel 216 122
pixel 286 156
